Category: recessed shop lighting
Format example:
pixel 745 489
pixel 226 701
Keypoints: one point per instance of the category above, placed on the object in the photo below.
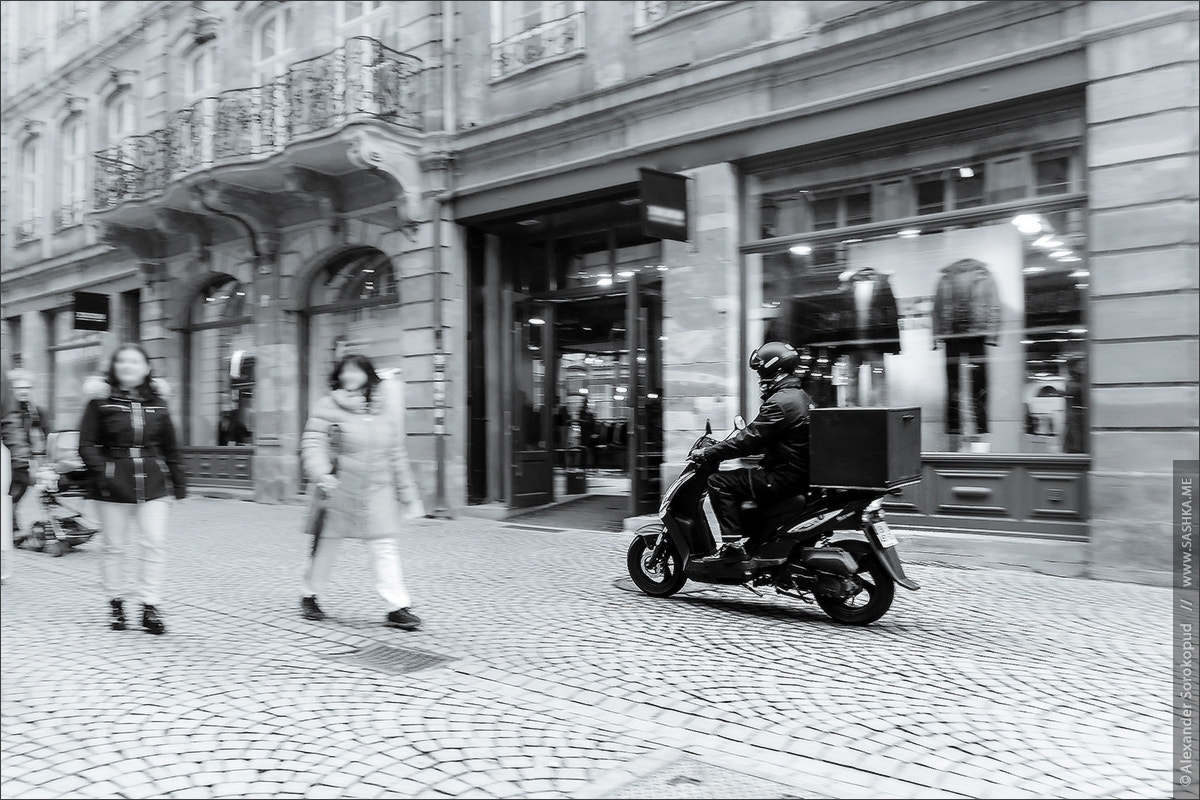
pixel 1028 224
pixel 630 201
pixel 966 172
pixel 1078 331
pixel 528 223
pixel 620 390
pixel 604 282
pixel 1048 242
pixel 662 338
pixel 536 321
pixel 1081 286
pixel 801 250
pixel 652 396
pixel 1033 270
pixel 625 273
pixel 1080 273
pixel 583 391
pixel 663 267
pixel 1070 259
pixel 909 233
pixel 1060 254
pixel 851 241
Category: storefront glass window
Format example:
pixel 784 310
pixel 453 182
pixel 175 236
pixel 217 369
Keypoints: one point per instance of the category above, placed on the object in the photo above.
pixel 980 324
pixel 74 356
pixel 221 384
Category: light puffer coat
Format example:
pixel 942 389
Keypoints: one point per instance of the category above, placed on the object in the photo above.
pixel 377 491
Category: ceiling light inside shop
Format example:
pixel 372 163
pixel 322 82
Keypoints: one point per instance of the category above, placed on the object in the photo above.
pixel 528 223
pixel 663 268
pixel 909 233
pixel 1033 270
pixel 583 391
pixel 1080 273
pixel 801 250
pixel 620 390
pixel 536 321
pixel 1070 259
pixel 652 396
pixel 625 273
pixel 1077 331
pixel 966 172
pixel 1048 242
pixel 851 241
pixel 1028 224
pixel 604 282
pixel 1061 254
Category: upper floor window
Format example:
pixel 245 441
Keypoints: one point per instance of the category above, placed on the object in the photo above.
pixel 529 33
pixel 30 195
pixel 274 40
pixel 368 18
pixel 517 16
pixel 651 13
pixel 200 71
pixel 73 143
pixel 119 117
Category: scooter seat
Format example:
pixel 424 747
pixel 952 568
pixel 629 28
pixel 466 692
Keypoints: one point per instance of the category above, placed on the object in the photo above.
pixel 790 505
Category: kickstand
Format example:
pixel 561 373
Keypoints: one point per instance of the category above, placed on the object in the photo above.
pixel 751 588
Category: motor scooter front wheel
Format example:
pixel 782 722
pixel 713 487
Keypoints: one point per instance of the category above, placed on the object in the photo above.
pixel 654 564
pixel 869 604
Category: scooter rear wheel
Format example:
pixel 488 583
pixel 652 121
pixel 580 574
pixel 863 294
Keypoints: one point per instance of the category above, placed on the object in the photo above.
pixel 661 577
pixel 868 605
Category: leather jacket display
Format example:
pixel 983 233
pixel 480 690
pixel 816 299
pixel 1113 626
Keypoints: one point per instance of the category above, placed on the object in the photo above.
pixel 779 432
pixel 967 303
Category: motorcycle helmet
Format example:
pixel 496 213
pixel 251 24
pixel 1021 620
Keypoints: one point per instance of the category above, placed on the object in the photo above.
pixel 774 362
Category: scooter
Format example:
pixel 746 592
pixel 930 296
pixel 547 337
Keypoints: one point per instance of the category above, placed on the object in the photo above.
pixel 832 546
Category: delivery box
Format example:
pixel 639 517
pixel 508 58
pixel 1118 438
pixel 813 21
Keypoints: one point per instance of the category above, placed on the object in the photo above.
pixel 864 448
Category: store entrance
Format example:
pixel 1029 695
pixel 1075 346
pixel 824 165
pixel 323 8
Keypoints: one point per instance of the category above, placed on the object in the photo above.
pixel 586 400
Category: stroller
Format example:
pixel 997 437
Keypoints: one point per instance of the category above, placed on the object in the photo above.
pixel 62 476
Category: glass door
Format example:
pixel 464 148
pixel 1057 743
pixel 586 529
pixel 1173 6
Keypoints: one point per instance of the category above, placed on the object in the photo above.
pixel 643 323
pixel 531 391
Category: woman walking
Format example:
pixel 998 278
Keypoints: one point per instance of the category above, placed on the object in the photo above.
pixel 353 453
pixel 127 441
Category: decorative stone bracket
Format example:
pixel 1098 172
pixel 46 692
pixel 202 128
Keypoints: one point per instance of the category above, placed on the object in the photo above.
pixel 399 162
pixel 250 210
pixel 324 189
pixel 173 222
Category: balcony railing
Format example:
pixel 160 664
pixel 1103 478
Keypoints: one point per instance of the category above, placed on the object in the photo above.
pixel 550 41
pixel 362 79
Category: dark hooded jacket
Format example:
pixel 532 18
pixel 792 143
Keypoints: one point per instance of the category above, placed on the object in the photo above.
pixel 127 441
pixel 779 432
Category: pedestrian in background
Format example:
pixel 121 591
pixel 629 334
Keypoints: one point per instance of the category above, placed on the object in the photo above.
pixel 22 413
pixel 353 452
pixel 14 448
pixel 127 441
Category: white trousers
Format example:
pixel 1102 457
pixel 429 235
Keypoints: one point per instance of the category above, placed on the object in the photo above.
pixel 118 545
pixel 385 559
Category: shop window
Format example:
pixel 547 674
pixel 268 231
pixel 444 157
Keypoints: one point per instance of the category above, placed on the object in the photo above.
pixel 981 325
pixel 74 356
pixel 131 315
pixel 14 340
pixel 219 338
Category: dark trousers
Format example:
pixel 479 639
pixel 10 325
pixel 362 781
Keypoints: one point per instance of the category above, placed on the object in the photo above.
pixel 728 489
pixel 972 351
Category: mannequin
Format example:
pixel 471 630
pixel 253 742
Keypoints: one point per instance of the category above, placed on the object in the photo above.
pixel 966 319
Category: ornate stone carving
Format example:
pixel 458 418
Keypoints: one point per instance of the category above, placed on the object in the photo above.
pixel 251 210
pixel 398 160
pixel 173 222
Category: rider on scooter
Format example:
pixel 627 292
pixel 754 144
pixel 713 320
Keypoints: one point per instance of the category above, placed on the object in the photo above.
pixel 779 433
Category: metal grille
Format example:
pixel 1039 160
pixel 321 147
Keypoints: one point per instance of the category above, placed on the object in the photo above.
pixel 687 779
pixel 392 660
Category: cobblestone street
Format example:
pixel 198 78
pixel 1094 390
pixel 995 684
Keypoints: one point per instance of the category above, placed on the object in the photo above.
pixel 560 681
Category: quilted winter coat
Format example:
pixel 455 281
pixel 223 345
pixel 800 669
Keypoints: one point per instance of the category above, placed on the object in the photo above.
pixel 377 492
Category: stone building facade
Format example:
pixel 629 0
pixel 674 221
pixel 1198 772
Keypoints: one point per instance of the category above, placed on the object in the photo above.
pixel 985 210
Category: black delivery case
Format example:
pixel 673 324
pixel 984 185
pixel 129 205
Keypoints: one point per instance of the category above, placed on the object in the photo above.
pixel 864 448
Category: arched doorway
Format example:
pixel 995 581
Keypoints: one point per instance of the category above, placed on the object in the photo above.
pixel 353 306
pixel 219 358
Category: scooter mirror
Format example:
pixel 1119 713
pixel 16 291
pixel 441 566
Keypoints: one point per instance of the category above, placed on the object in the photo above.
pixel 739 422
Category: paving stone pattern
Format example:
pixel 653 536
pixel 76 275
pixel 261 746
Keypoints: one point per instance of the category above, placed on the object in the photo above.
pixel 562 683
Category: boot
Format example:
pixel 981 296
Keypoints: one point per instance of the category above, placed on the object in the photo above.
pixel 403 619
pixel 730 553
pixel 310 610
pixel 151 622
pixel 118 614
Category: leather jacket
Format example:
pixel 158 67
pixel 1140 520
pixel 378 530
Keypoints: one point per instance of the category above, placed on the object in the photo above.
pixel 127 441
pixel 779 432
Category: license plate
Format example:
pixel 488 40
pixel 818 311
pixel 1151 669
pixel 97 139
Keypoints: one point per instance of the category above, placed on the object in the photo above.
pixel 884 534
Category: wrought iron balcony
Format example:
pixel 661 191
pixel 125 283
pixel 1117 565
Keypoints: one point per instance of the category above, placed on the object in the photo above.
pixel 550 41
pixel 362 79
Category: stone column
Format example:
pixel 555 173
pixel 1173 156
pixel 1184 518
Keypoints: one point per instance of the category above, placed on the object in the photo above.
pixel 1142 177
pixel 701 317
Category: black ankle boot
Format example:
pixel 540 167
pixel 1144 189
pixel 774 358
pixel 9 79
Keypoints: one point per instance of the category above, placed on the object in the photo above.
pixel 118 614
pixel 151 621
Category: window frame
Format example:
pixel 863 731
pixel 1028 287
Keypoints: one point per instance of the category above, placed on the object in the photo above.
pixel 73 173
pixel 267 68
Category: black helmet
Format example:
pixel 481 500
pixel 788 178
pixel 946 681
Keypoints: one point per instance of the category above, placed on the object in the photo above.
pixel 774 359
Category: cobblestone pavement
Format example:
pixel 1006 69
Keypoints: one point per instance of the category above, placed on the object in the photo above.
pixel 564 683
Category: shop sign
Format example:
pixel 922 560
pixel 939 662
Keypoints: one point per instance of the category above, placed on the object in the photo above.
pixel 91 311
pixel 664 204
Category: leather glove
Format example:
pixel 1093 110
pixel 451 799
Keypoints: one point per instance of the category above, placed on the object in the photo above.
pixel 698 457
